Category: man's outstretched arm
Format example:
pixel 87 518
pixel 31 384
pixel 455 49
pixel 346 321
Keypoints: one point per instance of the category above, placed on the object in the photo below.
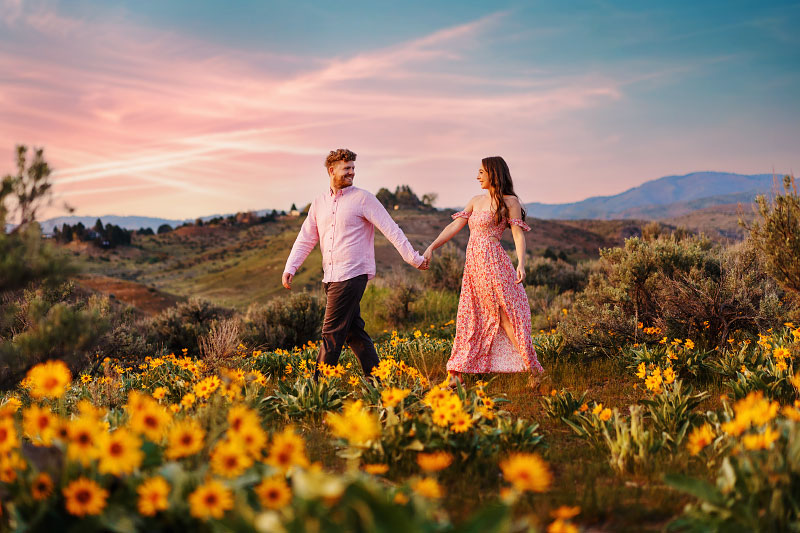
pixel 303 244
pixel 380 218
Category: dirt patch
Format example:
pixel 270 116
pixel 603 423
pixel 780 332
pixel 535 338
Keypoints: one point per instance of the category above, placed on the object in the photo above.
pixel 147 299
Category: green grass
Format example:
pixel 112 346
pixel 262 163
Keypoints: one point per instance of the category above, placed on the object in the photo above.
pixel 609 501
pixel 432 307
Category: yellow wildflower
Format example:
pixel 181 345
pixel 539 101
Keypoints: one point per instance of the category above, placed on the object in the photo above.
pixel 527 472
pixel 699 438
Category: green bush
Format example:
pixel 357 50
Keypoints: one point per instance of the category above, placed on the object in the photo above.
pixel 284 323
pixel 51 324
pixel 391 298
pixel 547 305
pixel 777 235
pixel 556 274
pixel 446 269
pixel 710 306
pixel 180 326
pixel 686 287
pixel 125 340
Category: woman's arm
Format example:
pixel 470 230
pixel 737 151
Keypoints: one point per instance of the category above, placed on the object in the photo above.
pixel 449 231
pixel 515 211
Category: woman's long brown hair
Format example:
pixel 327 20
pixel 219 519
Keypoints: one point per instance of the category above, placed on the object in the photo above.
pixel 500 185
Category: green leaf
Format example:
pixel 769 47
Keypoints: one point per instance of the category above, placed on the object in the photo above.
pixel 698 488
pixel 492 518
pixel 416 446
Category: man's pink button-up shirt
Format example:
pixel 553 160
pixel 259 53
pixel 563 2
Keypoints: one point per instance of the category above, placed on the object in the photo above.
pixel 344 225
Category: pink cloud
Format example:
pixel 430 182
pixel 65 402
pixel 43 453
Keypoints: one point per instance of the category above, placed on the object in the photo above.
pixel 137 120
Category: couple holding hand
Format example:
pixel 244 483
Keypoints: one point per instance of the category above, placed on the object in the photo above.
pixel 493 326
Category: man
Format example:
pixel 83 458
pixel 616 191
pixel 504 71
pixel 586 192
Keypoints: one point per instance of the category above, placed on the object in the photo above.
pixel 343 221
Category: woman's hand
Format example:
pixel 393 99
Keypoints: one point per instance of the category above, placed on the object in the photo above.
pixel 520 273
pixel 428 254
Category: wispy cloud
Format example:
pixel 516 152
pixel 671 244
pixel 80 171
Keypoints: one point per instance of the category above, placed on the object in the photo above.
pixel 156 108
pixel 131 111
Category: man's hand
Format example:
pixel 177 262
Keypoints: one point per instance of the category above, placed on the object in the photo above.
pixel 287 280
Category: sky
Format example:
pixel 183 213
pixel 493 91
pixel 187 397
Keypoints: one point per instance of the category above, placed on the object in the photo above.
pixel 187 108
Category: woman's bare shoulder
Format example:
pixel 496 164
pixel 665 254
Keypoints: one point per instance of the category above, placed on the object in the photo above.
pixel 475 200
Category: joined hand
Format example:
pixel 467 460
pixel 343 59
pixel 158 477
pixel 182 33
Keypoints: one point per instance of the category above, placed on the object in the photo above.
pixel 428 255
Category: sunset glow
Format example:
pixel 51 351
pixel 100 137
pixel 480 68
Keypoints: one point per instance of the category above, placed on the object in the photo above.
pixel 141 111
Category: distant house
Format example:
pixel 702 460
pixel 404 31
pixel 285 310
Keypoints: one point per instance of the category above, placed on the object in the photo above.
pixel 294 212
pixel 47 235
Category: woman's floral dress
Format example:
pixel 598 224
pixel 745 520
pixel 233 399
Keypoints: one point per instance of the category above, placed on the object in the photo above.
pixel 481 345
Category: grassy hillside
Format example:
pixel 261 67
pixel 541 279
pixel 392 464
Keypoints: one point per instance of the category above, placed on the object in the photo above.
pixel 720 222
pixel 237 266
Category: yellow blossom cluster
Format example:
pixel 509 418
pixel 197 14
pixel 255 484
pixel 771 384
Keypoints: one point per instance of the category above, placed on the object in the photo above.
pixel 355 424
pixel 392 396
pixel 753 411
pixel 447 409
pixel 780 355
pixel 654 377
pixel 603 413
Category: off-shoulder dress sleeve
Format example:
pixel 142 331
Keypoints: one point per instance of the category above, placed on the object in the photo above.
pixel 461 214
pixel 518 222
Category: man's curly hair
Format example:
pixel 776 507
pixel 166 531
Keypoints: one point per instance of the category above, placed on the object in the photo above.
pixel 342 154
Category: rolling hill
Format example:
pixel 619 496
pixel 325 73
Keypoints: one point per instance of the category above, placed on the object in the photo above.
pixel 669 196
pixel 236 266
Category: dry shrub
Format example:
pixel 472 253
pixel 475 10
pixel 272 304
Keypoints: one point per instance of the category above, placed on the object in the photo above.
pixel 220 343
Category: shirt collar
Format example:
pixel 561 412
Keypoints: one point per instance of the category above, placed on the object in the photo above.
pixel 340 192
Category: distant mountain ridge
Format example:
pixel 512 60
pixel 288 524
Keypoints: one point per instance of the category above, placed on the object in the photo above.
pixel 127 222
pixel 663 197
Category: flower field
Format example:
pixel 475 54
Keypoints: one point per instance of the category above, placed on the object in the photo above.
pixel 697 439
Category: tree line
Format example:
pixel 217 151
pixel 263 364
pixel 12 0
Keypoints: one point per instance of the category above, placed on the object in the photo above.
pixel 107 236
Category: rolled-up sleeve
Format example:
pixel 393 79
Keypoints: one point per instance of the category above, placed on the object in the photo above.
pixel 304 243
pixel 374 211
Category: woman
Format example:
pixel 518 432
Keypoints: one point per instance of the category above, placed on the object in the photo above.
pixel 493 327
